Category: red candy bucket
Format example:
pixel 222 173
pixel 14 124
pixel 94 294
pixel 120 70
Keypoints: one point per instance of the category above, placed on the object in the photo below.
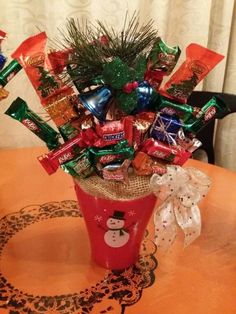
pixel 115 227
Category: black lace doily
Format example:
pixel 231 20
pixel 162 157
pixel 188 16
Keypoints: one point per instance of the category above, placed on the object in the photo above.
pixel 125 287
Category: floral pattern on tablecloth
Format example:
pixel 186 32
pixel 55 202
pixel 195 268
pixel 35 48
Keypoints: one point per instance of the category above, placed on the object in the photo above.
pixel 123 287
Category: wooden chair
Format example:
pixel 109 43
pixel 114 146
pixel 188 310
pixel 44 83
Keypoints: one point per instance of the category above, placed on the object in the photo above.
pixel 206 135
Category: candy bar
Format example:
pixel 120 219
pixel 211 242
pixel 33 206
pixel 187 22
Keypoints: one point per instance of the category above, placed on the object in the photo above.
pixel 146 165
pixel 140 129
pixel 147 116
pixel 90 137
pixel 20 111
pixel 214 108
pixel 108 159
pixel 32 57
pixel 57 98
pixel 161 61
pixel 80 166
pixel 67 151
pixel 61 107
pixel 68 131
pixel 121 149
pixel 173 154
pixel 128 122
pixel 172 108
pixel 76 125
pixel 189 144
pixel 116 172
pixel 199 62
pixel 163 57
pixel 111 132
pixel 9 72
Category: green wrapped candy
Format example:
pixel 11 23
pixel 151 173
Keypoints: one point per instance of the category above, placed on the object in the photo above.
pixel 122 150
pixel 183 111
pixel 21 112
pixel 214 108
pixel 9 72
pixel 80 167
pixel 68 131
pixel 163 57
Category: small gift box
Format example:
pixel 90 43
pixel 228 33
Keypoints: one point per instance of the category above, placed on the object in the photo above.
pixel 165 128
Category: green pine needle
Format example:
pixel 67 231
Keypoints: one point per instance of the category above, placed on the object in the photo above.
pixel 89 55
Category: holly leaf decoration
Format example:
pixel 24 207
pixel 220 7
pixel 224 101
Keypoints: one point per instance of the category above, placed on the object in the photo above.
pixel 116 73
pixel 127 102
pixel 140 68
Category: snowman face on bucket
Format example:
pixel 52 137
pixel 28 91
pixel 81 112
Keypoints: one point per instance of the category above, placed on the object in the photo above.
pixel 115 223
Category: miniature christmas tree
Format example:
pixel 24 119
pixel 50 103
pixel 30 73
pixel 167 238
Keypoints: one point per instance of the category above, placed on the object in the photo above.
pixel 184 88
pixel 48 83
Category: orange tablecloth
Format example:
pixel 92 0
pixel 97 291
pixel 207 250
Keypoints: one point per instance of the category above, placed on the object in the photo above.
pixel 45 262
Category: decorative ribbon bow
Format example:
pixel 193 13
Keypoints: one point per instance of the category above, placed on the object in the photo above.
pixel 179 191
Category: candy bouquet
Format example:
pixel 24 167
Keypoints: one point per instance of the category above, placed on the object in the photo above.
pixel 122 134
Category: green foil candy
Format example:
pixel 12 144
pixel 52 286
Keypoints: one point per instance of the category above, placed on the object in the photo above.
pixel 68 131
pixel 9 72
pixel 171 108
pixel 214 108
pixel 163 57
pixel 21 112
pixel 122 149
pixel 80 166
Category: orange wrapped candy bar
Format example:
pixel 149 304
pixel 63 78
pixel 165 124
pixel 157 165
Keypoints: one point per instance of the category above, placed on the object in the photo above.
pixel 199 62
pixel 57 98
pixel 32 57
pixel 145 165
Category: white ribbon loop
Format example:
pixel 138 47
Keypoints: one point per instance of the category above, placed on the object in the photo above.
pixel 179 191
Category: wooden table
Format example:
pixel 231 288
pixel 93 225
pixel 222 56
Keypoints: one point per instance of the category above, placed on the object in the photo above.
pixel 45 262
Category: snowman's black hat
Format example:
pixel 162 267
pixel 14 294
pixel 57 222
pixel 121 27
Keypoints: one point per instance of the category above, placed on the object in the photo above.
pixel 118 215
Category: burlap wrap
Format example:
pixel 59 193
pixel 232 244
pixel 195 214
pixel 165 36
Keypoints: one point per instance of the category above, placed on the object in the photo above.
pixel 138 186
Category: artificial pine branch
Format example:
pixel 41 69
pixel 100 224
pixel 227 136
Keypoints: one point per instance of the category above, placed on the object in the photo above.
pixel 89 55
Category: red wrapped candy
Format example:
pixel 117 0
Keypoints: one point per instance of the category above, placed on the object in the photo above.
pixel 173 154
